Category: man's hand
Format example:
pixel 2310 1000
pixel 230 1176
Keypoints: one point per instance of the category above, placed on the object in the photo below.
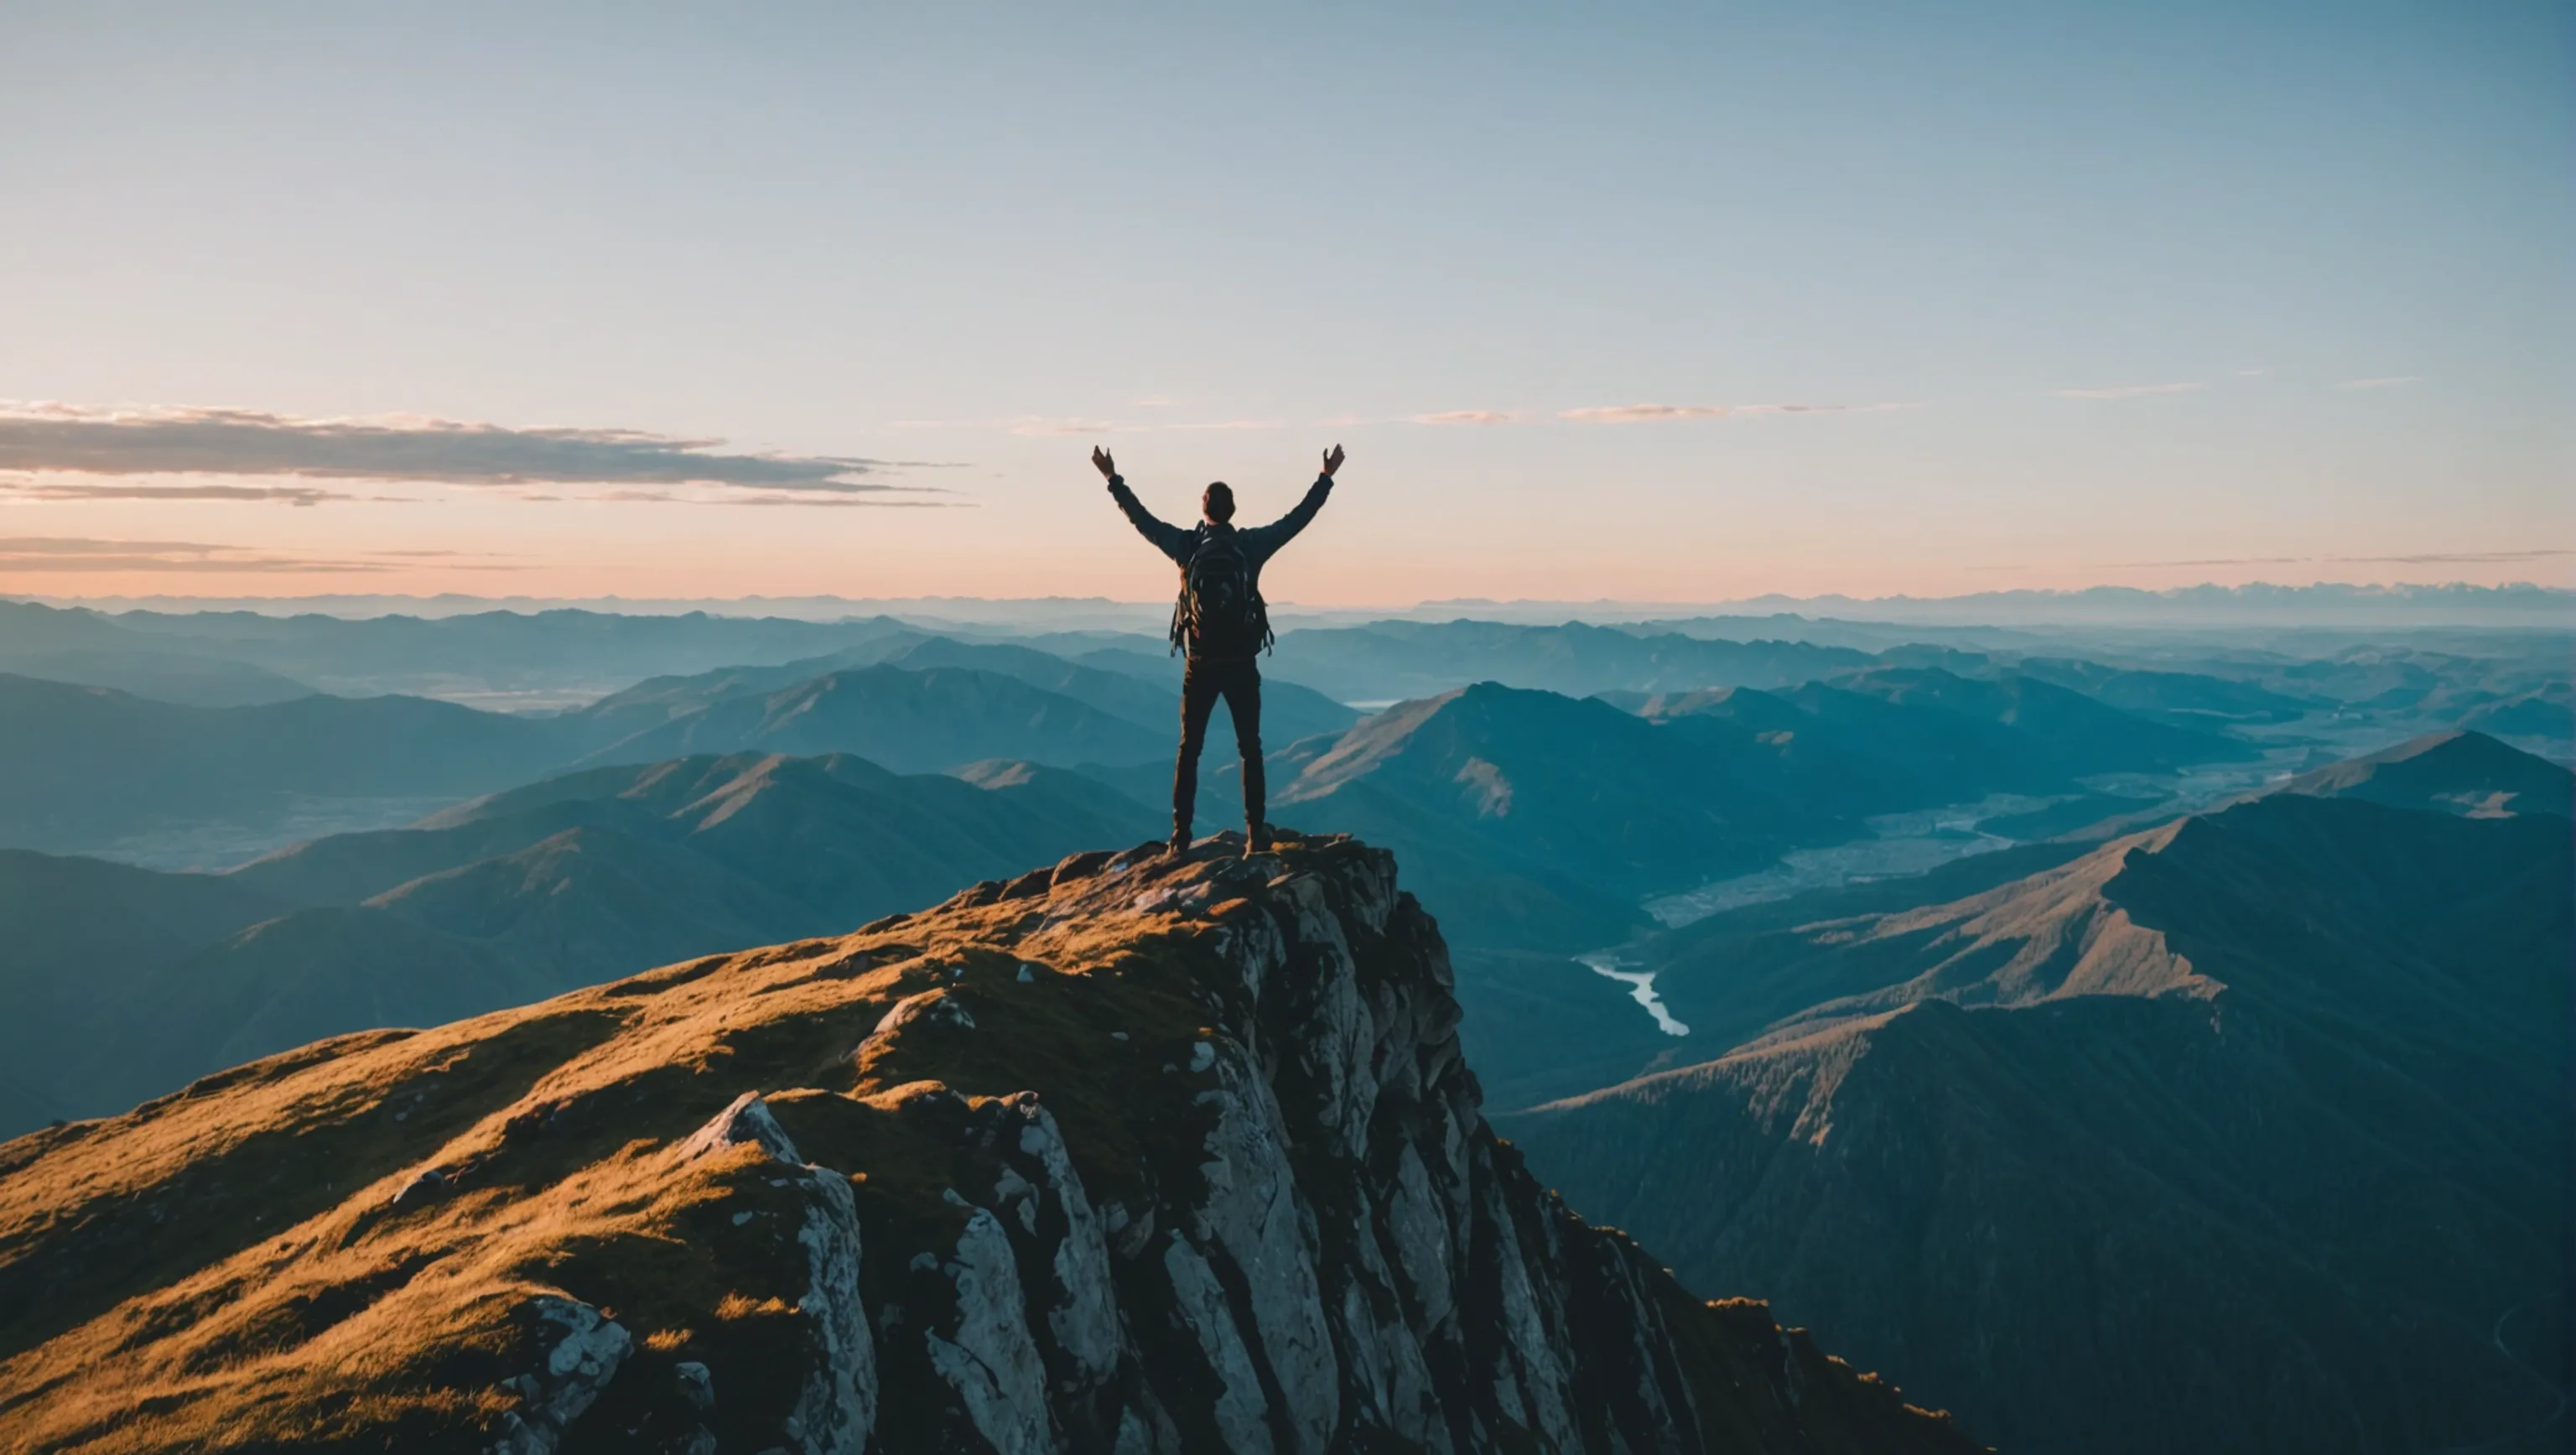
pixel 1100 461
pixel 1332 461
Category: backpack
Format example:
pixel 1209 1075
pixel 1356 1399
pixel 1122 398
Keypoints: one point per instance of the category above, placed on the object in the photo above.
pixel 1220 613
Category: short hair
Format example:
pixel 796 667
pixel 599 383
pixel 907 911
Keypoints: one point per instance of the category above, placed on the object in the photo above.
pixel 1218 502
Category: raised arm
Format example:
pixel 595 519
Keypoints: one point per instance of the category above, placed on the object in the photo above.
pixel 1265 540
pixel 1170 539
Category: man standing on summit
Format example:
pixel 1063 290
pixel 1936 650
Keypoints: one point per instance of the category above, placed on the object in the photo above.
pixel 1223 624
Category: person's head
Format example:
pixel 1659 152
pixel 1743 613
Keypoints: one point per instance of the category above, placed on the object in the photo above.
pixel 1218 503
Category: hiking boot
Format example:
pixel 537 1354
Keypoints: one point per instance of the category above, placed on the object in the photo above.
pixel 1256 840
pixel 1180 845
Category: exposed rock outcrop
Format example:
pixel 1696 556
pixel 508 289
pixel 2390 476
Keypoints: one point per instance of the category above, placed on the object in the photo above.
pixel 1129 1155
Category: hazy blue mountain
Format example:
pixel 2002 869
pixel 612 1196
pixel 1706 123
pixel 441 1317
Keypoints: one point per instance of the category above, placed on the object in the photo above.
pixel 904 719
pixel 658 700
pixel 82 765
pixel 2178 699
pixel 2074 733
pixel 1102 677
pixel 2295 1068
pixel 1539 821
pixel 485 651
pixel 162 676
pixel 1393 659
pixel 557 884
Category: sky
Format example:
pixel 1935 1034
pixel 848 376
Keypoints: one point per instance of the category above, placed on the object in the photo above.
pixel 1651 303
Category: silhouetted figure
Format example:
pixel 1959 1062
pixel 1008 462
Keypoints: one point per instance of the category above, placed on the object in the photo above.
pixel 1223 624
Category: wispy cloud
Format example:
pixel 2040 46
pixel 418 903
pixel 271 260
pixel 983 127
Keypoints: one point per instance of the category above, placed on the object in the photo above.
pixel 66 439
pixel 809 502
pixel 1466 416
pixel 2131 391
pixel 2424 558
pixel 1643 413
pixel 2219 561
pixel 1651 413
pixel 272 494
pixel 2456 558
pixel 2390 381
pixel 60 555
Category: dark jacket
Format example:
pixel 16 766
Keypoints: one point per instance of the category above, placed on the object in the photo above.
pixel 1258 543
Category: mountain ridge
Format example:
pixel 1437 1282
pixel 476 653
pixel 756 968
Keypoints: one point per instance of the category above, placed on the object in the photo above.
pixel 1124 1153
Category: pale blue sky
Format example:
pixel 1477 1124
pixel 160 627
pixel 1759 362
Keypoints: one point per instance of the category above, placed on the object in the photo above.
pixel 2118 271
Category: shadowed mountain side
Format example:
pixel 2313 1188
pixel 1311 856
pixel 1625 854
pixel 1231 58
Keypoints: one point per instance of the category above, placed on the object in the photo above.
pixel 1571 788
pixel 2454 772
pixel 1542 1027
pixel 2235 1136
pixel 563 883
pixel 1126 1154
pixel 80 765
pixel 77 935
pixel 908 721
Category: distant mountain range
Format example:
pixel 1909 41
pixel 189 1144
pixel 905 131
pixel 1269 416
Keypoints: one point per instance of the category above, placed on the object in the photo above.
pixel 1537 821
pixel 2214 1137
pixel 564 883
pixel 1393 659
pixel 83 767
pixel 486 652
pixel 904 718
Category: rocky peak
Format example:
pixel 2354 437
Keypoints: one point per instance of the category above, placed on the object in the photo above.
pixel 1128 1154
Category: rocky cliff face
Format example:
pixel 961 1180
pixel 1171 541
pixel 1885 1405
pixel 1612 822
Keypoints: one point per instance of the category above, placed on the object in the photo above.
pixel 1125 1155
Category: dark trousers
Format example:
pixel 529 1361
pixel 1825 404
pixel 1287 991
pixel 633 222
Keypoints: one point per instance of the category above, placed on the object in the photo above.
pixel 1239 683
